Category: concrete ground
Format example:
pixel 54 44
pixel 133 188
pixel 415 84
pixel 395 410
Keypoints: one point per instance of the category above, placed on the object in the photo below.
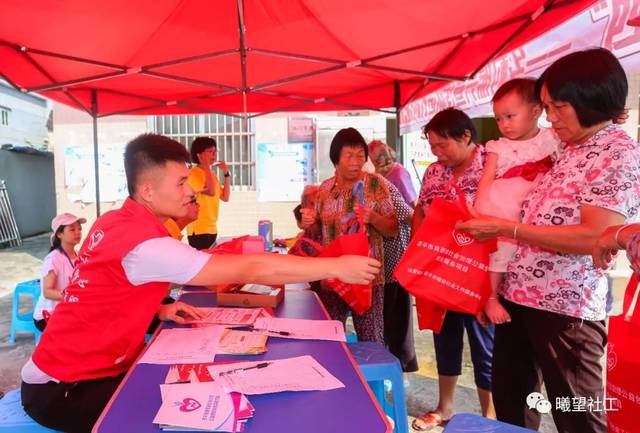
pixel 23 263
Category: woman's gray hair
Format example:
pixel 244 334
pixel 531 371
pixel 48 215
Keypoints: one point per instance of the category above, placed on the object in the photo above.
pixel 386 154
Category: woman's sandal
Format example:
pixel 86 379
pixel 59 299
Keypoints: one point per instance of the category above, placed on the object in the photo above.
pixel 428 421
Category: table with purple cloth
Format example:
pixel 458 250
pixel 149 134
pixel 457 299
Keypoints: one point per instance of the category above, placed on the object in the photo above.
pixel 349 409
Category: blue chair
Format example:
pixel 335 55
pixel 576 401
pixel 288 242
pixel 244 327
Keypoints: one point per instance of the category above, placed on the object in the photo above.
pixel 468 422
pixel 23 322
pixel 13 418
pixel 377 366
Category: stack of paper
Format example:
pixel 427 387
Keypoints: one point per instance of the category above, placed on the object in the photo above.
pixel 235 342
pixel 301 329
pixel 202 406
pixel 183 346
pixel 302 373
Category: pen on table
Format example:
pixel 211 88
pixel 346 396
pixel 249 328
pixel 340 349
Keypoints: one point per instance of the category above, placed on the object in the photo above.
pixel 251 328
pixel 274 332
pixel 260 365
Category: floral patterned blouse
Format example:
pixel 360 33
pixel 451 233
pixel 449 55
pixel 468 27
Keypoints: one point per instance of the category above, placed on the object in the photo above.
pixel 334 208
pixel 633 248
pixel 395 247
pixel 602 172
pixel 438 179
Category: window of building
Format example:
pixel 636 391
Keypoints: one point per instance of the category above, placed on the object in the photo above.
pixel 235 138
pixel 4 117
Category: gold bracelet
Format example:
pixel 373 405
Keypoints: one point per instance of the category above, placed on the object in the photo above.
pixel 615 237
pixel 515 231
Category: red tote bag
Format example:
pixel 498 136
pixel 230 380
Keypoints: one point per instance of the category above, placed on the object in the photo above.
pixel 444 266
pixel 430 316
pixel 357 296
pixel 623 364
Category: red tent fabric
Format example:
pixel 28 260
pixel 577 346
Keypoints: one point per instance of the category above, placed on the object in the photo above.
pixel 191 56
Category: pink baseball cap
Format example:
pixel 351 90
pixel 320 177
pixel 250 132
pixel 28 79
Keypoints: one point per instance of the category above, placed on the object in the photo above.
pixel 64 219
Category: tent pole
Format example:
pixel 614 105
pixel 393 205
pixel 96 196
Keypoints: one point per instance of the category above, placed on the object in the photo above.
pixel 243 56
pixel 398 104
pixel 96 157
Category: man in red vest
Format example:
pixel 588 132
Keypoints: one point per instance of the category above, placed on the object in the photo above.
pixel 123 271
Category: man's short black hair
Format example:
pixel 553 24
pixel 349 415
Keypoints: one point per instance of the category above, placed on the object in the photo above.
pixel 451 123
pixel 523 87
pixel 592 81
pixel 199 145
pixel 346 137
pixel 148 151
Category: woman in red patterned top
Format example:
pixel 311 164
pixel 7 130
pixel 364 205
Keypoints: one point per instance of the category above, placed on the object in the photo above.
pixel 335 214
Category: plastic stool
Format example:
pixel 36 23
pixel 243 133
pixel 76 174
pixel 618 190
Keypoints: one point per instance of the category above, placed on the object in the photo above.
pixel 378 365
pixel 468 422
pixel 13 418
pixel 23 322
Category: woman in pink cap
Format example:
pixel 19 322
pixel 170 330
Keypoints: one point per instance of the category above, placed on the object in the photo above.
pixel 57 266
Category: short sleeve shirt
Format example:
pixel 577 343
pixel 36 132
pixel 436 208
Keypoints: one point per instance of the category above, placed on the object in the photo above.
pixel 207 222
pixel 512 153
pixel 334 207
pixel 602 172
pixel 395 247
pixel 438 181
pixel 58 263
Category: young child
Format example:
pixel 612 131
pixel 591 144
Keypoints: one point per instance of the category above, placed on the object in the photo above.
pixel 513 166
pixel 57 266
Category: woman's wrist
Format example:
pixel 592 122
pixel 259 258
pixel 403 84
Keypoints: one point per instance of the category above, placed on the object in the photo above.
pixel 621 236
pixel 507 228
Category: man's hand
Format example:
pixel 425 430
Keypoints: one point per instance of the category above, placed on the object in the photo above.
pixel 356 269
pixel 178 312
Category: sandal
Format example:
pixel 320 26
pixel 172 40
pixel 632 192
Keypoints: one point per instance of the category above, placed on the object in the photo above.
pixel 428 421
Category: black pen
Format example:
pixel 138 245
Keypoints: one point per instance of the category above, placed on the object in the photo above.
pixel 250 328
pixel 260 365
pixel 274 332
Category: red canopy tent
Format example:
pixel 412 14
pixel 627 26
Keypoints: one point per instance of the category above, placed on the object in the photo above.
pixel 252 57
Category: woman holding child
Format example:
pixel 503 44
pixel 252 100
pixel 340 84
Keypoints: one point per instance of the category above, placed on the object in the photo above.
pixel 554 296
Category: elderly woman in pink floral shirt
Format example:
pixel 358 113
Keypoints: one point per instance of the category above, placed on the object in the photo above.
pixel 554 293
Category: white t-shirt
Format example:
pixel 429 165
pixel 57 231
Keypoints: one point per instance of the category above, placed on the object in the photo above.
pixel 58 263
pixel 155 260
pixel 512 153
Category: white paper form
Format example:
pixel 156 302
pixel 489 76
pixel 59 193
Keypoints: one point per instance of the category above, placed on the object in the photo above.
pixel 228 316
pixel 183 346
pixel 203 405
pixel 302 373
pixel 301 329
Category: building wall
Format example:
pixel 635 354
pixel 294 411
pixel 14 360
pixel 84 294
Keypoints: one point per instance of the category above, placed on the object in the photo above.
pixel 30 183
pixel 241 214
pixel 28 116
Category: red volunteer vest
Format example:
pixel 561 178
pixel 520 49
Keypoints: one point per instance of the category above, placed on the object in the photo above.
pixel 98 329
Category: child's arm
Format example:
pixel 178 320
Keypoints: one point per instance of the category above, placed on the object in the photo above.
pixel 488 176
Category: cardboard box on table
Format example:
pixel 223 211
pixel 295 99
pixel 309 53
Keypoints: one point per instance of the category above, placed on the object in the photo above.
pixel 229 296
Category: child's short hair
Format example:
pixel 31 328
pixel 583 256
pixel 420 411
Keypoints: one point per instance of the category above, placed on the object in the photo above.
pixel 524 87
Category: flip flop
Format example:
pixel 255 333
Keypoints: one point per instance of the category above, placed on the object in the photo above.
pixel 428 421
